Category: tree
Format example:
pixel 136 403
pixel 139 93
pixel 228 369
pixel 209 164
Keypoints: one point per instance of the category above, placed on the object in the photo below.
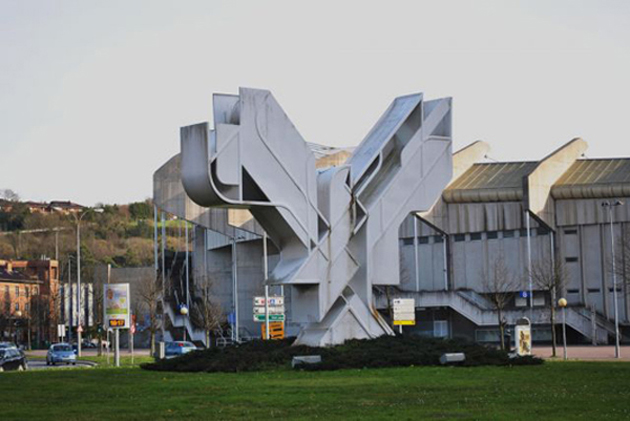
pixel 550 277
pixel 140 210
pixel 622 260
pixel 207 312
pixel 10 195
pixel 499 284
pixel 150 292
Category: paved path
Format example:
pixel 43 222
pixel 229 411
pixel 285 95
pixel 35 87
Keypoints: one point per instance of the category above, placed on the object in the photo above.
pixel 584 352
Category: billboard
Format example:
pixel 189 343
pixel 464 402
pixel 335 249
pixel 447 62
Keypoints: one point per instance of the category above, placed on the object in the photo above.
pixel 116 306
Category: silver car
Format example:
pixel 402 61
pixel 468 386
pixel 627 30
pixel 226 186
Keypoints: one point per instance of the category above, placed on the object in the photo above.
pixel 61 353
pixel 177 348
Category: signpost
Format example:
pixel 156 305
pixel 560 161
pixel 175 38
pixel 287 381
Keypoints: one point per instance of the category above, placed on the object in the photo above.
pixel 116 308
pixel 269 309
pixel 61 332
pixel 404 312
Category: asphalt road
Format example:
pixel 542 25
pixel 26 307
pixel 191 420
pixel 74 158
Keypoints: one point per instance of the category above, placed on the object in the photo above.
pixel 41 365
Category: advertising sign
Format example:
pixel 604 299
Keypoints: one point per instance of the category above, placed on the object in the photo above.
pixel 523 340
pixel 116 306
pixel 404 311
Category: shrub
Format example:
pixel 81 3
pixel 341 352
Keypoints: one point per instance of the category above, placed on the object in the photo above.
pixel 386 351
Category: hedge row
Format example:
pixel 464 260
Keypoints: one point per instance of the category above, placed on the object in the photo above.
pixel 386 351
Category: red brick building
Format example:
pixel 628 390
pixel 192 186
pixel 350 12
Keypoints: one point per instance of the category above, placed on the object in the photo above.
pixel 29 292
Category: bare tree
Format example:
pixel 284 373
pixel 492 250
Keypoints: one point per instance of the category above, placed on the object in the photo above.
pixel 150 292
pixel 551 277
pixel 499 283
pixel 207 312
pixel 10 195
pixel 622 260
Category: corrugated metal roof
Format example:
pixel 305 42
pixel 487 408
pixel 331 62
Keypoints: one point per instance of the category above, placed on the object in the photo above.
pixel 588 178
pixel 500 181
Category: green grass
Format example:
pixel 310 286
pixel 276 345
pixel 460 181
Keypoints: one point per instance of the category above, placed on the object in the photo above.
pixel 571 390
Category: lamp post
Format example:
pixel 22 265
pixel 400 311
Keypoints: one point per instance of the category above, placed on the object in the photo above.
pixel 562 302
pixel 609 206
pixel 79 309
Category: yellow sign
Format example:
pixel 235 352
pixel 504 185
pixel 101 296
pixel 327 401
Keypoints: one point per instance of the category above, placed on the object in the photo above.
pixel 116 322
pixel 404 322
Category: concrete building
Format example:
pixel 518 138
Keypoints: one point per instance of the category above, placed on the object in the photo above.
pixel 526 214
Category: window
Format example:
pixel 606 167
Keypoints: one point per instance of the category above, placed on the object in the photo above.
pixel 573 291
pixel 423 240
pixel 460 237
pixel 539 299
pixel 476 236
pixel 440 328
pixel 523 232
pixel 542 231
pixel 27 292
pixel 491 235
pixel 17 292
pixel 570 232
pixel 508 234
pixel 571 259
pixel 520 301
pixel 17 306
pixel 35 290
pixel 618 289
pixel 438 239
pixel 593 290
pixel 407 241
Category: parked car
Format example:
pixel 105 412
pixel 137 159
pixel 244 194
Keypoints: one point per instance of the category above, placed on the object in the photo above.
pixel 61 353
pixel 177 348
pixel 88 344
pixel 12 359
pixel 6 345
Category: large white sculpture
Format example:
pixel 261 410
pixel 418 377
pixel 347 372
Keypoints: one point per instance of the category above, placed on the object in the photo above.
pixel 336 229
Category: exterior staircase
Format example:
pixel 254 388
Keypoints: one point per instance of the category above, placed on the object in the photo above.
pixel 480 311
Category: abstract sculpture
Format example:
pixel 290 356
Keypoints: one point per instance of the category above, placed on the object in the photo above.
pixel 337 228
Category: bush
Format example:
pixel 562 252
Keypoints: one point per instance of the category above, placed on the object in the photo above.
pixel 386 351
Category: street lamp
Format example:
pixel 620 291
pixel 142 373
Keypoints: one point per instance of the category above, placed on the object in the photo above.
pixel 562 302
pixel 609 206
pixel 79 325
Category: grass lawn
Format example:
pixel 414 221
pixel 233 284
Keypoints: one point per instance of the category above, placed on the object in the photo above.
pixel 556 390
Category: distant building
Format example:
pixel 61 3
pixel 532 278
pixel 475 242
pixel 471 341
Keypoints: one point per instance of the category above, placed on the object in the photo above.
pixel 28 300
pixel 65 207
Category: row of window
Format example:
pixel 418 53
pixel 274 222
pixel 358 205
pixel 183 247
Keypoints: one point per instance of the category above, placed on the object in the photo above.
pixel 16 306
pixel 477 236
pixel 27 291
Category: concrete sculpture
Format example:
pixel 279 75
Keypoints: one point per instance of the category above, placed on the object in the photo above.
pixel 337 228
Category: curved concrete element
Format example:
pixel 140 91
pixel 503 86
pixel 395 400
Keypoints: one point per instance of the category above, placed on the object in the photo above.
pixel 336 228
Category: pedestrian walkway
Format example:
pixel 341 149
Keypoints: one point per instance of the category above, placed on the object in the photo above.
pixel 589 352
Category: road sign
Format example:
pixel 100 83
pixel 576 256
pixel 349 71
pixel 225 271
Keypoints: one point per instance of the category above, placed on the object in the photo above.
pixel 276 330
pixel 272 317
pixel 116 305
pixel 61 331
pixel 272 310
pixel 275 300
pixel 404 311
pixel 80 329
pixel 231 318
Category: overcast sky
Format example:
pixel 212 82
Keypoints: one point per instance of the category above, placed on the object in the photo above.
pixel 93 93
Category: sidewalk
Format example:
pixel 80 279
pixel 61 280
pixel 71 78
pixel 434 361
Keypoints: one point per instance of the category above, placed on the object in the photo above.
pixel 586 352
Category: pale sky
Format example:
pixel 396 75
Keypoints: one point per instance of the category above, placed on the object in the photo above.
pixel 93 93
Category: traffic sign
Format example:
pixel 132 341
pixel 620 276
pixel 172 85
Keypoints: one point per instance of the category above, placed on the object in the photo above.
pixel 272 310
pixel 272 317
pixel 80 329
pixel 275 300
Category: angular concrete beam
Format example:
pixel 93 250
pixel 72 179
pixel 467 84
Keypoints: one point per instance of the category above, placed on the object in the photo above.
pixel 537 185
